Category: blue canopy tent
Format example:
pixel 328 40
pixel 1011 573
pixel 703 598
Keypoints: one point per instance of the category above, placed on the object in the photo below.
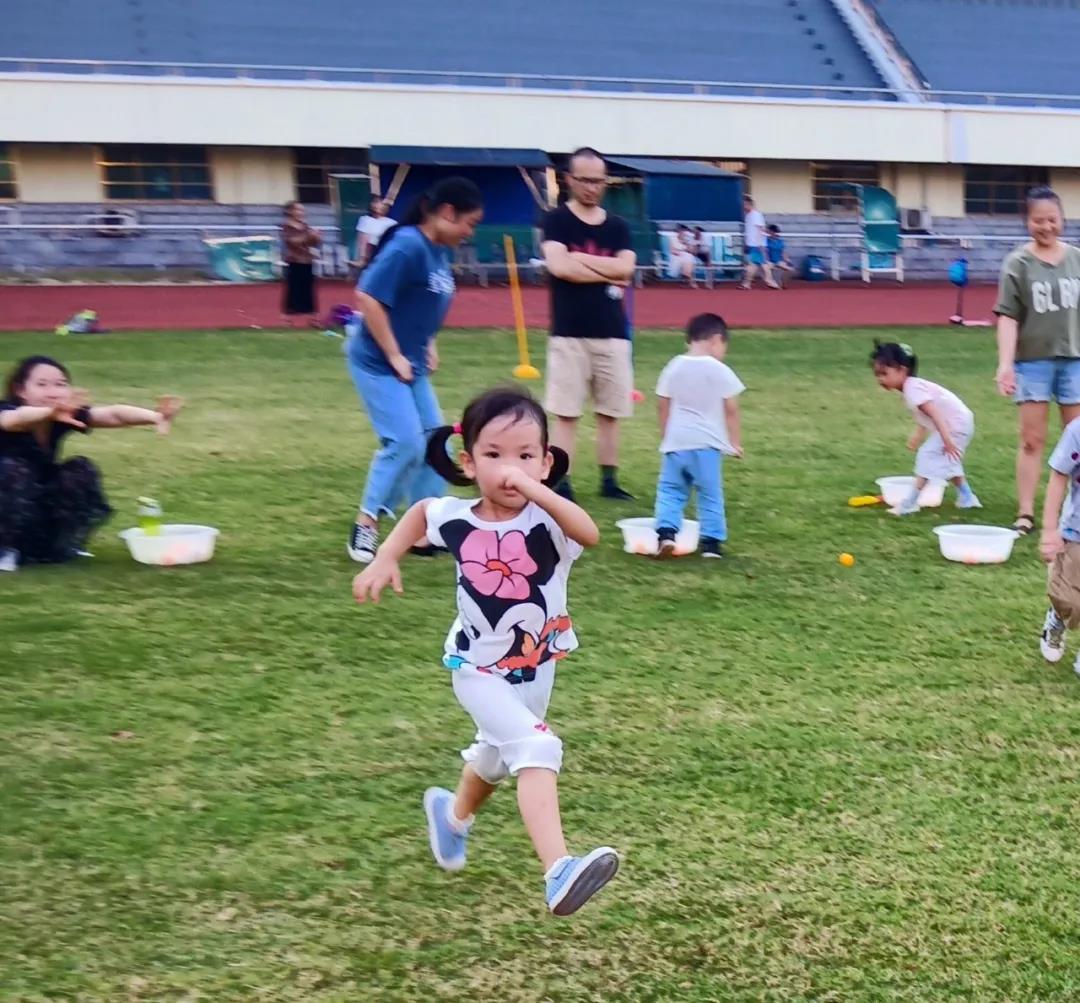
pixel 654 194
pixel 513 183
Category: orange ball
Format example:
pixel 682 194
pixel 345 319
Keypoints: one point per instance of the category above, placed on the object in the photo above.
pixel 847 560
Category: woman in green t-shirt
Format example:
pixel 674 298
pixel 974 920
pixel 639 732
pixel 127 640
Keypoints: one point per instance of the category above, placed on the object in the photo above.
pixel 1038 335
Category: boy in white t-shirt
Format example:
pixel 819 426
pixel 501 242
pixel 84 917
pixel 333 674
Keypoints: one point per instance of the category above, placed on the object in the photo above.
pixel 699 421
pixel 944 424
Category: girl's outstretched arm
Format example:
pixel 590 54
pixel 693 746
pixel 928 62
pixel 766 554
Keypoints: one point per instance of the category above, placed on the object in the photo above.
pixel 127 415
pixel 385 569
pixel 572 519
pixel 25 417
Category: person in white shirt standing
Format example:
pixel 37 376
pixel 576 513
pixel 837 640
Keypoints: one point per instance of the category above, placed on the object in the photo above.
pixel 754 242
pixel 371 228
pixel 944 424
pixel 700 423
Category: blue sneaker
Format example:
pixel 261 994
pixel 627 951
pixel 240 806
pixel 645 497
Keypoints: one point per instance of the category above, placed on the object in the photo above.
pixel 909 506
pixel 447 841
pixel 572 881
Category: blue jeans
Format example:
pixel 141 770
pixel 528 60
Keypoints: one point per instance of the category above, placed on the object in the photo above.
pixel 403 415
pixel 682 472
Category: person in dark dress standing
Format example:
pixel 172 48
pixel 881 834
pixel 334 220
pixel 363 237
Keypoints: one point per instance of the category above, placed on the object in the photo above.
pixel 299 243
pixel 588 253
pixel 48 508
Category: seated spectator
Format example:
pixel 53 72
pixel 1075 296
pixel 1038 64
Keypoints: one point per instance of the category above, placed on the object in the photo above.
pixel 684 259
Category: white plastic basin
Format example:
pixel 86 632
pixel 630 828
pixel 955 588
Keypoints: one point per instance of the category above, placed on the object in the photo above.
pixel 976 544
pixel 177 543
pixel 639 536
pixel 895 489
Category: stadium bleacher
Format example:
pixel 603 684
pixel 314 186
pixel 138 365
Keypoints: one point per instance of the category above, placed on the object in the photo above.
pixel 990 46
pixel 796 42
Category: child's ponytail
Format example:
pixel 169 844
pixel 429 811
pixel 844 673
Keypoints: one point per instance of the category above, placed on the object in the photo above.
pixel 438 456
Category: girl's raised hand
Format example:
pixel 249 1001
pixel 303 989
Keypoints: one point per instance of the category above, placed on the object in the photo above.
pixel 369 584
pixel 515 479
pixel 167 409
pixel 65 413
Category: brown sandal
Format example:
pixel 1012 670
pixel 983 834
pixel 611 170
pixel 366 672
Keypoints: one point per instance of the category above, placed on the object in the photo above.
pixel 1024 524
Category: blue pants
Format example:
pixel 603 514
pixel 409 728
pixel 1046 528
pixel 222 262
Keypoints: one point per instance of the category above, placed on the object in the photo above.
pixel 683 471
pixel 403 416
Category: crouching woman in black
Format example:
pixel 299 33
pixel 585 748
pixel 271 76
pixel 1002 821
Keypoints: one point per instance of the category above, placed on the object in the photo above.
pixel 49 509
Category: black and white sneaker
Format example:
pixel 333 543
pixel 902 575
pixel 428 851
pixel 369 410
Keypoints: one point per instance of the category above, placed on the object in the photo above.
pixel 665 542
pixel 363 542
pixel 9 560
pixel 1052 639
pixel 711 548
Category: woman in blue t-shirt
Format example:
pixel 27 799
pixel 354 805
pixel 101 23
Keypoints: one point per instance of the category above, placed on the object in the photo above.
pixel 403 296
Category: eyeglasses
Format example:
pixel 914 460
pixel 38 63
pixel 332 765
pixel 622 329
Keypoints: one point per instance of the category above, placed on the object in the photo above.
pixel 595 182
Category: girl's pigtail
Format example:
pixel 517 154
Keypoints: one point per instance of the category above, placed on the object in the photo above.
pixel 560 466
pixel 438 458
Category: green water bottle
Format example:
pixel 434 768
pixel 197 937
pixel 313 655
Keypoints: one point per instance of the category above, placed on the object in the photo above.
pixel 149 516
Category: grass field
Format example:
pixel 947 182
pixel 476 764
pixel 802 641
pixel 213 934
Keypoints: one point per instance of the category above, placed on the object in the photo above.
pixel 826 783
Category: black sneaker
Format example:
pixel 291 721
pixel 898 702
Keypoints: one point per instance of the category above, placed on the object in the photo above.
pixel 363 542
pixel 711 548
pixel 564 490
pixel 609 489
pixel 665 542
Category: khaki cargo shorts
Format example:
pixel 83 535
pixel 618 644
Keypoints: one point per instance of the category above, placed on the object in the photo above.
pixel 579 368
pixel 1063 585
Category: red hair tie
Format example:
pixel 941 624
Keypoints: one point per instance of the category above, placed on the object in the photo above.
pixel 457 428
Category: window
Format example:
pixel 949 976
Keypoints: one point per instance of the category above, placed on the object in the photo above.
pixel 828 175
pixel 7 173
pixel 156 173
pixel 1000 191
pixel 314 165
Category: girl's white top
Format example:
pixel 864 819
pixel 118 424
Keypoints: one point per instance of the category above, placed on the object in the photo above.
pixel 955 413
pixel 511 586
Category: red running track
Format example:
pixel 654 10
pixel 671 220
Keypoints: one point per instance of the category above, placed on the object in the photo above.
pixel 193 307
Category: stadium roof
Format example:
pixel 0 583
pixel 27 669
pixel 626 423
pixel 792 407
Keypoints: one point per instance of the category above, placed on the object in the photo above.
pixel 451 156
pixel 655 165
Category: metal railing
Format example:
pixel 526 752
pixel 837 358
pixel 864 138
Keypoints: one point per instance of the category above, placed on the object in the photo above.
pixel 276 72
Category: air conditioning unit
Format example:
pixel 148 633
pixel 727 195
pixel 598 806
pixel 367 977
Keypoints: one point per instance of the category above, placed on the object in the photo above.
pixel 915 220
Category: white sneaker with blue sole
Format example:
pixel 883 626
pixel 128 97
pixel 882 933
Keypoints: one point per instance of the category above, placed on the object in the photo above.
pixel 447 839
pixel 572 881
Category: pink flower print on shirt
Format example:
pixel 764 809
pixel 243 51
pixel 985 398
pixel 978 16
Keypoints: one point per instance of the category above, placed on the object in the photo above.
pixel 497 566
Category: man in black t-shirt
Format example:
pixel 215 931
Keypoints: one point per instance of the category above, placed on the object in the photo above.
pixel 589 258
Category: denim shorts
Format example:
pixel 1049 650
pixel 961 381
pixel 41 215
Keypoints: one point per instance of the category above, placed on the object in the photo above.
pixel 1045 380
pixel 755 255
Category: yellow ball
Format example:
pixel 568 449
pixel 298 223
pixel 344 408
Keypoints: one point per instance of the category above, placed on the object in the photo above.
pixel 847 560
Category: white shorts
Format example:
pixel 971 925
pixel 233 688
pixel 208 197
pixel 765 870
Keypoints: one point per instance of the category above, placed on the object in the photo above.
pixel 931 461
pixel 510 731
